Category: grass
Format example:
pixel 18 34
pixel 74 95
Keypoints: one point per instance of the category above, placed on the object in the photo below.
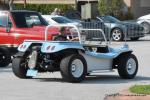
pixel 140 89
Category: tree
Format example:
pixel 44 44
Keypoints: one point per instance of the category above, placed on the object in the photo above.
pixel 110 7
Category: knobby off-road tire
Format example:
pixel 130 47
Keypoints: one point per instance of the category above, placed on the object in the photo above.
pixel 5 57
pixel 128 66
pixel 20 66
pixel 73 68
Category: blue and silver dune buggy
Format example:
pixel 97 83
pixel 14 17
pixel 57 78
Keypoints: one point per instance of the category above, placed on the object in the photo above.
pixel 74 59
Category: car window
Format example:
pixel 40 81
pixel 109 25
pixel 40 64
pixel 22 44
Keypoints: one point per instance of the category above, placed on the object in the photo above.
pixel 32 20
pixel 62 20
pixel 110 19
pixel 28 19
pixel 4 20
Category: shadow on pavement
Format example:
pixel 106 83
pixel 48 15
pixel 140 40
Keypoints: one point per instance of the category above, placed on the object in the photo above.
pixel 99 79
pixel 5 69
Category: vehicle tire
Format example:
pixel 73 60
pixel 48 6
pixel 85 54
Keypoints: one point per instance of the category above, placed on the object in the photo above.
pixel 128 66
pixel 5 57
pixel 134 38
pixel 117 34
pixel 20 66
pixel 60 38
pixel 146 27
pixel 73 68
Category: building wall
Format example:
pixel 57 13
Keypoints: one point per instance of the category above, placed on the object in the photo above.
pixel 47 1
pixel 138 7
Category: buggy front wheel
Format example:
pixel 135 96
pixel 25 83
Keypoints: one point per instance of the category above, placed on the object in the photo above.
pixel 128 66
pixel 73 68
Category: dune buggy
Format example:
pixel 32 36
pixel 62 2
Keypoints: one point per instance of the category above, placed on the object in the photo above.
pixel 74 59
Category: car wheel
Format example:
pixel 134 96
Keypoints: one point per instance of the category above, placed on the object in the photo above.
pixel 117 34
pixel 20 66
pixel 128 66
pixel 73 68
pixel 134 38
pixel 146 27
pixel 5 57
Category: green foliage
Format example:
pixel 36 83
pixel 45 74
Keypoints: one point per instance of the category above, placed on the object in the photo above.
pixel 44 8
pixel 140 89
pixel 113 8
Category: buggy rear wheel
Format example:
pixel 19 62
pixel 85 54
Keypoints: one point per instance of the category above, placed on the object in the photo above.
pixel 73 68
pixel 128 66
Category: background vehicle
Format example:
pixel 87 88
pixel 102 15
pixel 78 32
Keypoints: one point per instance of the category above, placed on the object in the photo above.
pixel 17 26
pixel 145 22
pixel 118 28
pixel 74 59
pixel 60 20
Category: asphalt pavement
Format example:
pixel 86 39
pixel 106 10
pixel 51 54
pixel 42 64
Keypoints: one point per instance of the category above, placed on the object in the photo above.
pixel 50 86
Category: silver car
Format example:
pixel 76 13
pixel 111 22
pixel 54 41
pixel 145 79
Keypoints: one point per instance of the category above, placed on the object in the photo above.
pixel 118 28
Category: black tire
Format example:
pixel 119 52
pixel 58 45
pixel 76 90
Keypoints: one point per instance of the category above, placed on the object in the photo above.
pixel 66 68
pixel 114 33
pixel 123 67
pixel 60 38
pixel 19 66
pixel 5 57
pixel 134 38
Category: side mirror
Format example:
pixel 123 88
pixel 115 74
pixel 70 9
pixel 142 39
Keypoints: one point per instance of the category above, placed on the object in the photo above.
pixel 8 27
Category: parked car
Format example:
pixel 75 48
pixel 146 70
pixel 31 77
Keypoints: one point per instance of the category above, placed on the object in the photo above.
pixel 145 22
pixel 17 26
pixel 118 28
pixel 51 19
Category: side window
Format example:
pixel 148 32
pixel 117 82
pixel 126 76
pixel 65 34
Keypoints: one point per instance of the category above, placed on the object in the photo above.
pixel 4 21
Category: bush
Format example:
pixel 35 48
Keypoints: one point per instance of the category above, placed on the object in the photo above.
pixel 114 8
pixel 44 8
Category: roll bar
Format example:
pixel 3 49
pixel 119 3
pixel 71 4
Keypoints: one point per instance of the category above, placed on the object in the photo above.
pixel 75 27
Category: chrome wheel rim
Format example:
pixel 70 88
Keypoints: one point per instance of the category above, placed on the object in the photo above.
pixel 116 35
pixel 146 28
pixel 77 68
pixel 131 66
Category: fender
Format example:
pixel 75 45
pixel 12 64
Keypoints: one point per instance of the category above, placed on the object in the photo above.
pixel 55 46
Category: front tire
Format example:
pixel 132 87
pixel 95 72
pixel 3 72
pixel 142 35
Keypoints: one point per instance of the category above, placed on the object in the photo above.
pixel 73 68
pixel 146 27
pixel 20 66
pixel 128 66
pixel 5 57
pixel 117 34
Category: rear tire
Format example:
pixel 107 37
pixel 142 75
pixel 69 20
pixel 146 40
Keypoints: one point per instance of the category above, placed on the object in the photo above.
pixel 20 66
pixel 5 57
pixel 73 68
pixel 128 66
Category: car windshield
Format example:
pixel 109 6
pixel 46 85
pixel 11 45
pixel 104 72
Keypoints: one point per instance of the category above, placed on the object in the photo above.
pixel 62 20
pixel 110 19
pixel 28 19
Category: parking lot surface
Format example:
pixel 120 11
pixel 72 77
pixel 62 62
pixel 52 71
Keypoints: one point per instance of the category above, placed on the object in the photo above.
pixel 50 86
